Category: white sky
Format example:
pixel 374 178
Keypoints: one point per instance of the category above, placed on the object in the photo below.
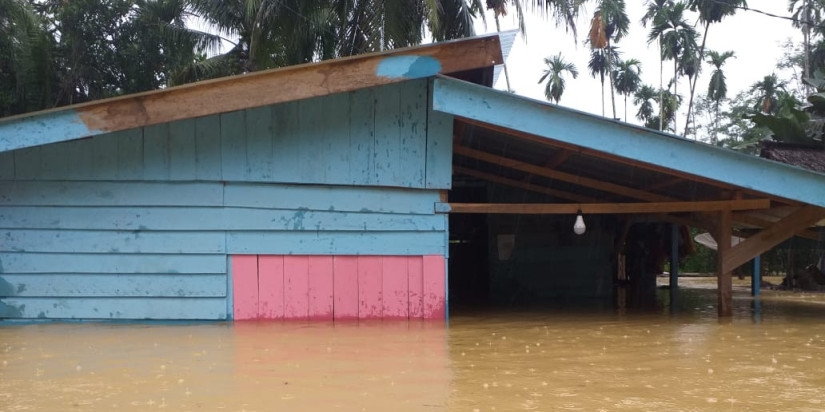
pixel 755 38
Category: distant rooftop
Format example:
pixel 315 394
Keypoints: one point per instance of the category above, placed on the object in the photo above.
pixel 804 156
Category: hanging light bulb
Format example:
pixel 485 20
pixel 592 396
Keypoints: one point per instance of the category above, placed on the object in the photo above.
pixel 579 227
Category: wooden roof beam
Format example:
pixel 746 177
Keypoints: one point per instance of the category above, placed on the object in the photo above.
pixel 777 233
pixel 522 185
pixel 557 175
pixel 602 208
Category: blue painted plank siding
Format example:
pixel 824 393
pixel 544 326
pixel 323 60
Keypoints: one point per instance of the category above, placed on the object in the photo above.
pixel 142 223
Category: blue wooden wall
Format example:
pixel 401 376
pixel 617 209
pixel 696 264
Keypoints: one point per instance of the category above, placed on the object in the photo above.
pixel 141 223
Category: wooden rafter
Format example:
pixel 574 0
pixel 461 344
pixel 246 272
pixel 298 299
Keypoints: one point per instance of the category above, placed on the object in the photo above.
pixel 558 175
pixel 745 218
pixel 777 233
pixel 664 183
pixel 602 208
pixel 522 185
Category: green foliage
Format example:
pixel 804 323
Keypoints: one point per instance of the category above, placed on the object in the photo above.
pixel 554 73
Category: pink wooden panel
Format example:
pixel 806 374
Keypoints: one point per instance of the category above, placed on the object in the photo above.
pixel 435 303
pixel 415 285
pixel 370 305
pixel 394 287
pixel 345 287
pixel 270 287
pixel 245 286
pixel 296 287
pixel 320 287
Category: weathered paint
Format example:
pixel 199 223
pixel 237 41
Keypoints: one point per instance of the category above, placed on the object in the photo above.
pixel 320 288
pixel 271 287
pixel 345 287
pixel 374 136
pixel 114 308
pixel 245 286
pixel 67 285
pixel 408 67
pixel 48 127
pixel 342 288
pixel 435 286
pixel 627 141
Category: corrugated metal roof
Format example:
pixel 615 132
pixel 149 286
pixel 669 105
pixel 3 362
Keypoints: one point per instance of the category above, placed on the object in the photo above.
pixel 508 39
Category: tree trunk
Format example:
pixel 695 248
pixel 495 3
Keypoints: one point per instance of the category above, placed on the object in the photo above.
pixel 675 90
pixel 696 79
pixel 661 86
pixel 610 76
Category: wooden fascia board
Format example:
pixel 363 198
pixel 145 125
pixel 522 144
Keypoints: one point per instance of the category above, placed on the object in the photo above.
pixel 775 234
pixel 246 91
pixel 622 140
pixel 557 175
pixel 602 208
pixel 522 185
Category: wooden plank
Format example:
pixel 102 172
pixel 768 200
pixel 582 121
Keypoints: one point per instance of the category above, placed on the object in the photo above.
pixel 345 287
pixel 27 163
pixel 234 164
pixel 296 287
pixel 415 286
pixel 259 132
pixel 664 184
pixel 156 157
pixel 321 288
pixel 78 155
pixel 53 163
pixel 129 154
pixel 523 185
pixel 723 279
pixel 387 143
pixel 335 132
pixel 602 208
pixel 271 287
pixel 245 287
pixel 104 157
pixel 361 136
pixel 331 198
pixel 110 194
pixel 182 147
pixel 250 90
pixel 312 141
pixel 112 285
pixel 435 287
pixel 412 127
pixel 89 241
pixel 742 218
pixel 336 243
pixel 6 165
pixel 777 233
pixel 370 299
pixel 286 142
pixel 114 308
pixel 111 263
pixel 558 175
pixel 211 219
pixel 208 148
pixel 395 287
pixel 439 147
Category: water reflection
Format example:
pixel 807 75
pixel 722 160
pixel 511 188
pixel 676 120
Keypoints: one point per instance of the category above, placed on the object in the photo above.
pixel 548 359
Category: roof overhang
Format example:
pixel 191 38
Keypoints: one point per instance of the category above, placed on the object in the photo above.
pixel 250 90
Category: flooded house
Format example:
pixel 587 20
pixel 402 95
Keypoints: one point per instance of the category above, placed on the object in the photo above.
pixel 384 186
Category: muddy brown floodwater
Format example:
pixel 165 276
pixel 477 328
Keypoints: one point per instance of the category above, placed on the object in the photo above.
pixel 772 359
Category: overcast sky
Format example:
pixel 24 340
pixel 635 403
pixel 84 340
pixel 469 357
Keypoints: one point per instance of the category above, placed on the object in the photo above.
pixel 755 38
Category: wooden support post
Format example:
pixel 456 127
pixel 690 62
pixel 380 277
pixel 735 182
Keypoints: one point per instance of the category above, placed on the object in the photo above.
pixel 723 281
pixel 674 264
pixel 756 277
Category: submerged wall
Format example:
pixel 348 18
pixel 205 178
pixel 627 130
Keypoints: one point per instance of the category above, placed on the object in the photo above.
pixel 144 224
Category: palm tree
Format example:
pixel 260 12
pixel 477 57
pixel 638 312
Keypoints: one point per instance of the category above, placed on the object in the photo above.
pixel 768 89
pixel 804 15
pixel 554 73
pixel 599 65
pixel 644 97
pixel 654 9
pixel 628 79
pixel 677 37
pixel 710 11
pixel 717 89
pixel 609 23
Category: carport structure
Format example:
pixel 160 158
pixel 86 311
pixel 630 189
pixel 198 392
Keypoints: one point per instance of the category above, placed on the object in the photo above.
pixel 600 166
